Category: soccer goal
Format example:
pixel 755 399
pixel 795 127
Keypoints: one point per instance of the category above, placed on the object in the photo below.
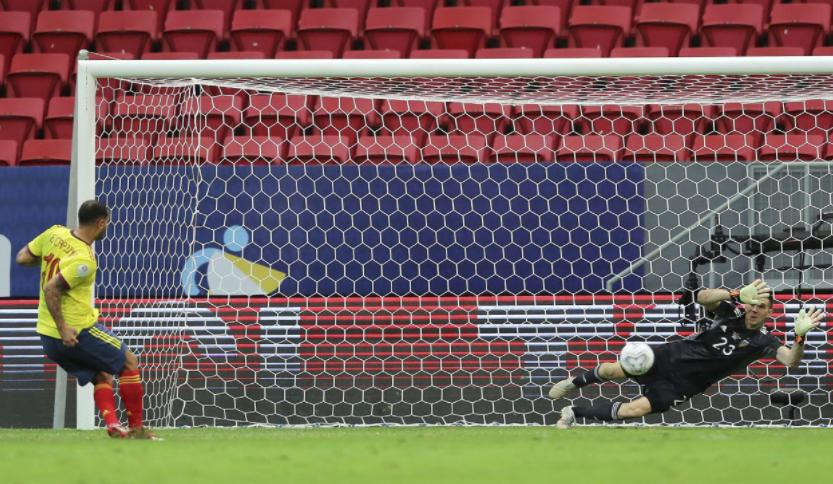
pixel 435 241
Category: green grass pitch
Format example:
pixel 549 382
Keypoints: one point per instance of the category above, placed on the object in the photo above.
pixel 505 455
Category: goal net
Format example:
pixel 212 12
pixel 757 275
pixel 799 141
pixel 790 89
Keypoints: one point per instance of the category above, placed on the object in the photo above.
pixel 366 244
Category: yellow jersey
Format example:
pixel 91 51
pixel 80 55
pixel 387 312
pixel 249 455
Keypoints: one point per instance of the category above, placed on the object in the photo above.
pixel 62 252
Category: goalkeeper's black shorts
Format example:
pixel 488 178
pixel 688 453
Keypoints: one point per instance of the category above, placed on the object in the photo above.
pixel 662 387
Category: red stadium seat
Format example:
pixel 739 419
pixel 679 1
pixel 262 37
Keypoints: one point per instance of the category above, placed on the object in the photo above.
pixel 799 25
pixel 522 148
pixel 95 6
pixel 494 6
pixel 813 116
pixel 170 56
pixel 218 114
pixel 161 7
pixel 534 27
pixel 573 53
pixel 545 119
pixel 20 118
pixel 668 25
pixel 601 27
pixel 505 53
pixel 372 54
pixel 823 50
pixel 411 118
pixel 226 6
pixel 59 116
pixel 185 150
pixel 675 119
pixel 780 147
pixel 395 28
pixel 732 25
pixel 46 152
pixel 14 34
pixel 708 52
pixel 294 6
pixel 345 116
pixel 775 51
pixel 360 6
pixel 112 85
pixel 330 29
pixel 428 6
pixel 122 150
pixel 277 115
pixel 144 114
pixel 37 75
pixel 476 118
pixel 440 54
pixel 386 149
pixel 592 148
pixel 639 52
pixel 261 30
pixel 8 152
pixel 754 119
pixel 125 31
pixel 236 54
pixel 255 150
pixel 193 31
pixel 463 28
pixel 318 150
pixel 609 119
pixel 441 148
pixel 656 148
pixel 32 7
pixel 63 32
pixel 566 7
pixel 305 54
pixel 723 147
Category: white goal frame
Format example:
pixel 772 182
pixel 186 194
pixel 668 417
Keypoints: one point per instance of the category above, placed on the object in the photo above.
pixel 82 172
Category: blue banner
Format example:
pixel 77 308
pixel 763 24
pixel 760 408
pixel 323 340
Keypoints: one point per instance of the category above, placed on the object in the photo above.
pixel 348 229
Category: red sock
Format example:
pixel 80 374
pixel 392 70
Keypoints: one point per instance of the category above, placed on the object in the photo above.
pixel 130 389
pixel 106 403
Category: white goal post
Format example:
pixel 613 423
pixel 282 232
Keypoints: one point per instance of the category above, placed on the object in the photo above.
pixel 600 307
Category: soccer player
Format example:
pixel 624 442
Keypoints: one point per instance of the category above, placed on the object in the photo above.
pixel 68 321
pixel 735 338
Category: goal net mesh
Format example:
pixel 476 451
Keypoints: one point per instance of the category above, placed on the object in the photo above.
pixel 441 250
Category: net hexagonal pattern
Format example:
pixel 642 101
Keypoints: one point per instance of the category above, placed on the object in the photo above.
pixel 366 251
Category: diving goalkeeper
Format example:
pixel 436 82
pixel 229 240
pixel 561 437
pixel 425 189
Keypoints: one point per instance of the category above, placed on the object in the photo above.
pixel 735 338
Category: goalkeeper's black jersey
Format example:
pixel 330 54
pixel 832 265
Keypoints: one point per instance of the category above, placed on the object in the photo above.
pixel 723 348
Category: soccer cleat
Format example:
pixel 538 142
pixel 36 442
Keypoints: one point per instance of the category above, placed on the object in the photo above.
pixel 142 433
pixel 116 431
pixel 568 418
pixel 562 388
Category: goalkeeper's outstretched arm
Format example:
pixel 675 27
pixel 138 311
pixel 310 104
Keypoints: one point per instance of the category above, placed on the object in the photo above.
pixel 749 294
pixel 804 322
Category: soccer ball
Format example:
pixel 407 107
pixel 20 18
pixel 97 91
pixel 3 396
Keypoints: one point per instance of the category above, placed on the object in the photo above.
pixel 636 358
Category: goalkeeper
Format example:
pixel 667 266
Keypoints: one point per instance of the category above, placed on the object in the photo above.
pixel 735 338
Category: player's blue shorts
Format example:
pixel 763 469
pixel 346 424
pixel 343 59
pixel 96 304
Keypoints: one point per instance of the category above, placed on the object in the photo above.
pixel 98 350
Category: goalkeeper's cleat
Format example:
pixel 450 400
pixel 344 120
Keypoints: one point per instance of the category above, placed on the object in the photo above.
pixel 562 388
pixel 567 420
pixel 117 431
pixel 142 433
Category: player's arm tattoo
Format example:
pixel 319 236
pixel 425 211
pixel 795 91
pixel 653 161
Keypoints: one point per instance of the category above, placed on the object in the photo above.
pixel 55 288
pixel 26 258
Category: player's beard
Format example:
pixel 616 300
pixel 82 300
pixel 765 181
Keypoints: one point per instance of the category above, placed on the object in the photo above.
pixel 101 234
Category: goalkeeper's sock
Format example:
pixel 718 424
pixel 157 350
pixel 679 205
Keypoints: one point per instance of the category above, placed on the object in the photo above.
pixel 106 403
pixel 588 377
pixel 130 389
pixel 599 411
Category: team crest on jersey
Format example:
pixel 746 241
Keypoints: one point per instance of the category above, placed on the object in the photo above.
pixel 83 270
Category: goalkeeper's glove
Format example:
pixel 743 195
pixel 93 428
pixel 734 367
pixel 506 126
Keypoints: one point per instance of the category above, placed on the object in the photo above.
pixel 752 293
pixel 804 322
